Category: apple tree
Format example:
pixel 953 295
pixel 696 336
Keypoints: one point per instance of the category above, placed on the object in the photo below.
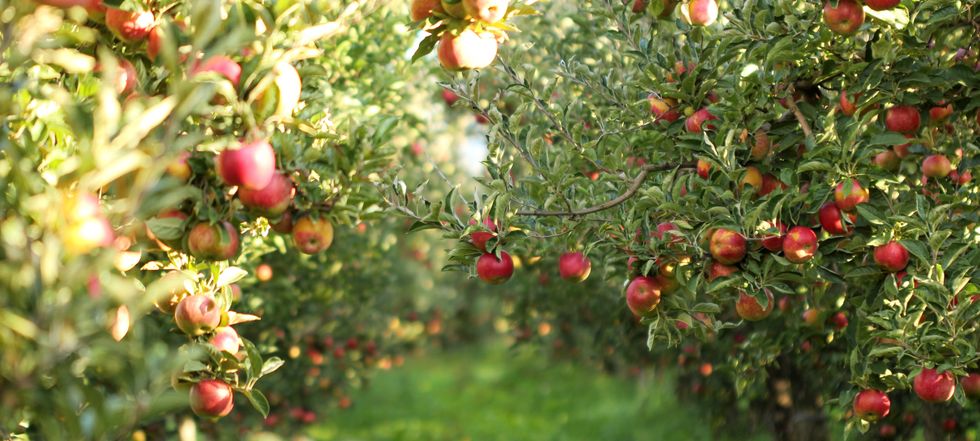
pixel 728 158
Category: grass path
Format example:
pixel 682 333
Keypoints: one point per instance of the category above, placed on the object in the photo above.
pixel 489 393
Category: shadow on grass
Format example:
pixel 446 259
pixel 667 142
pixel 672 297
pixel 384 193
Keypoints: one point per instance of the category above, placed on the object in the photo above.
pixel 488 393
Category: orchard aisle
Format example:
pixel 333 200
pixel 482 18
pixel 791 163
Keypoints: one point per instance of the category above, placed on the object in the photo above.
pixel 489 393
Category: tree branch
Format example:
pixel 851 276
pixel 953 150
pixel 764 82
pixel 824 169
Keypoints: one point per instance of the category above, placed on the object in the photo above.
pixel 791 103
pixel 633 188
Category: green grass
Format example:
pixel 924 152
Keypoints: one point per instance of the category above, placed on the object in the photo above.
pixel 489 393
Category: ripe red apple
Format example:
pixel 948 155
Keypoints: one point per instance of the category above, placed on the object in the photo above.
pixel 574 266
pixel 212 398
pixel 941 112
pixel 197 315
pixel 881 5
pixel 960 178
pixel 887 431
pixel 643 295
pixel 727 246
pixel 839 320
pixel 887 160
pixel 423 9
pixel 252 165
pixel 753 178
pixel 495 271
pixel 749 308
pixel 971 385
pixel 773 239
pixel 902 119
pixel 263 272
pixel 847 196
pixel 489 11
pixel 770 183
pixel 830 219
pixel 762 146
pixel 468 50
pixel 449 97
pixel 846 18
pixel 949 425
pixel 285 224
pixel 846 106
pixel 717 269
pixel 130 26
pixel 480 238
pixel 936 166
pixel 812 317
pixel 704 168
pixel 213 242
pixel 695 122
pixel 226 339
pixel 800 244
pixel 221 65
pixel 934 387
pixel 664 109
pixel 271 201
pixel 892 256
pixel 700 12
pixel 871 404
pixel 312 236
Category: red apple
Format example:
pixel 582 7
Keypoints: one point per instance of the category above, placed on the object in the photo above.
pixel 971 385
pixel 197 315
pixel 449 97
pixel 226 339
pixel 221 65
pixel 130 26
pixel 773 239
pixel 574 266
pixel 960 178
pixel 849 195
pixel 902 150
pixel 770 183
pixel 263 272
pixel 704 168
pixel 312 236
pixel 762 146
pixel 694 123
pixel 887 160
pixel 727 246
pixel 213 242
pixel 812 317
pixel 949 425
pixel 489 11
pixel 800 244
pixel 700 12
pixel 940 112
pixel 887 431
pixel 468 50
pixel 934 387
pixel 211 398
pixel 423 9
pixel 643 295
pixel 717 269
pixel 830 219
pixel 285 224
pixel 936 166
pixel 846 106
pixel 495 271
pixel 892 256
pixel 252 165
pixel 271 201
pixel 902 119
pixel 871 404
pixel 839 320
pixel 881 5
pixel 664 109
pixel 749 308
pixel 480 238
pixel 846 18
pixel 753 178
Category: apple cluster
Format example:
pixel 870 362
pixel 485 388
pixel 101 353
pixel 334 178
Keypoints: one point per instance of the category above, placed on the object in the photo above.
pixel 467 32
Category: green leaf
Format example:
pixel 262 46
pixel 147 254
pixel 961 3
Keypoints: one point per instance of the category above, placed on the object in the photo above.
pixel 258 400
pixel 230 275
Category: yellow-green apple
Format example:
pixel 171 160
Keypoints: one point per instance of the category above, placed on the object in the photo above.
pixel 892 256
pixel 271 201
pixel 845 18
pixel 495 270
pixel 574 266
pixel 727 246
pixel 130 26
pixel 831 221
pixel 772 238
pixel 902 119
pixel 468 50
pixel 848 195
pixel 250 165
pixel 423 9
pixel 871 405
pixel 749 308
pixel 312 236
pixel 212 398
pixel 800 244
pixel 936 166
pixel 197 315
pixel 488 11
pixel 934 387
pixel 226 339
pixel 643 295
pixel 213 242
pixel 179 168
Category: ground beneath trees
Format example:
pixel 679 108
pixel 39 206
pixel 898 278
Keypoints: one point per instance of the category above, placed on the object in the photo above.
pixel 491 393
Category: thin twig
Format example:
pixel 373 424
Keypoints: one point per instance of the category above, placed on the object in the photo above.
pixel 791 103
pixel 633 188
